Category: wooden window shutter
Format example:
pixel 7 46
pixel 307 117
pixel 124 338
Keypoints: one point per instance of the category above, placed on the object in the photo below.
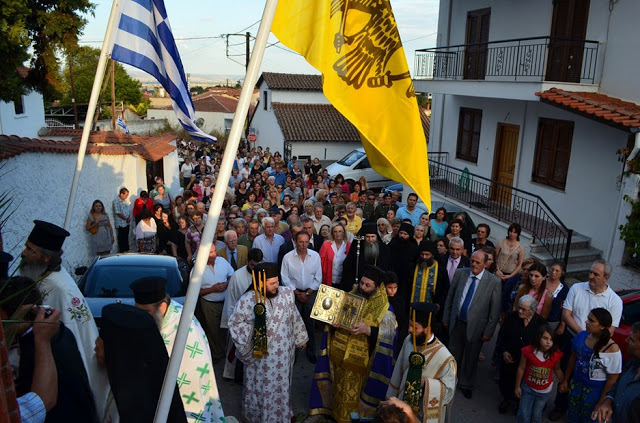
pixel 553 152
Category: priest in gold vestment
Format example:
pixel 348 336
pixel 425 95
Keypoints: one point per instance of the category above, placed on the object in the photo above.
pixel 354 367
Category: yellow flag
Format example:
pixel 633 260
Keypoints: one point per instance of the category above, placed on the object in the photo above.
pixel 357 47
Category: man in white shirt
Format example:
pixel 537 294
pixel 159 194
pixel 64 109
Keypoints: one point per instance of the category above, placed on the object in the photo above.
pixel 186 170
pixel 318 218
pixel 301 270
pixel 269 241
pixel 212 295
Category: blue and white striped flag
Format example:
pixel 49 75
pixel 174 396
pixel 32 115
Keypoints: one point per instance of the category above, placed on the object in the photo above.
pixel 121 124
pixel 143 39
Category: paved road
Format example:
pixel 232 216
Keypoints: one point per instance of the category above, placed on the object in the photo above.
pixel 483 407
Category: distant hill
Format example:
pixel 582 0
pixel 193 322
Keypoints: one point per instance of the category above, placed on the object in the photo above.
pixel 194 78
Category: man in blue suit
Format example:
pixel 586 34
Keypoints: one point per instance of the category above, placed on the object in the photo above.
pixel 471 314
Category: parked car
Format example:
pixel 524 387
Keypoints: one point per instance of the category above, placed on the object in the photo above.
pixel 108 278
pixel 630 315
pixel 353 166
pixel 394 187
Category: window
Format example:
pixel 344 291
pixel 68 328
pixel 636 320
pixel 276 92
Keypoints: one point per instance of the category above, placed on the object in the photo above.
pixel 469 134
pixel 264 95
pixel 553 150
pixel 18 106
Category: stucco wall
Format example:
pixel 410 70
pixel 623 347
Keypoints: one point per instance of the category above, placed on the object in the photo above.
pixel 268 131
pixel 307 97
pixel 43 181
pixel 27 124
pixel 324 151
pixel 212 121
pixel 591 191
pixel 138 126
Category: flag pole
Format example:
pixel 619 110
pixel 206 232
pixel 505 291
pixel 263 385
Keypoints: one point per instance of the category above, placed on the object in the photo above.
pixel 193 292
pixel 93 101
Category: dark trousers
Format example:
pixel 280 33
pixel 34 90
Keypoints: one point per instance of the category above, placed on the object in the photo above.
pixel 465 353
pixel 123 239
pixel 562 399
pixel 305 311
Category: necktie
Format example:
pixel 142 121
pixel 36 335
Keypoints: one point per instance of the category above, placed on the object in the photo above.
pixel 234 264
pixel 467 300
pixel 451 269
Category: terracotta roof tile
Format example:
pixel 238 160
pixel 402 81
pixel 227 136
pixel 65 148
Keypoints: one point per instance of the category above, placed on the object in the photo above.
pixel 314 122
pixel 613 111
pixel 291 81
pixel 213 103
pixel 107 142
pixel 63 132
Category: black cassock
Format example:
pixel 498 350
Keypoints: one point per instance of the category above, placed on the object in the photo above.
pixel 136 359
pixel 75 400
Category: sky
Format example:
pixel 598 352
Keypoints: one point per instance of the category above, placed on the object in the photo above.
pixel 417 22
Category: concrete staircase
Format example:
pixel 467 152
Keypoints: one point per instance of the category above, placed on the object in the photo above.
pixel 581 256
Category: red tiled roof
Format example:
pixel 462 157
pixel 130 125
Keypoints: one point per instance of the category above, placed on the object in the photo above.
pixel 291 81
pixel 63 132
pixel 314 122
pixel 213 103
pixel 613 111
pixel 105 142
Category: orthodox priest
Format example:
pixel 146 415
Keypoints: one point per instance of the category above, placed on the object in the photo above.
pixel 366 248
pixel 430 284
pixel 354 367
pixel 266 329
pixel 425 373
pixel 196 380
pixel 42 262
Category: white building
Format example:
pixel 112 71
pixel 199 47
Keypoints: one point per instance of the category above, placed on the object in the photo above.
pixel 38 174
pixel 294 118
pixel 24 116
pixel 515 102
pixel 214 113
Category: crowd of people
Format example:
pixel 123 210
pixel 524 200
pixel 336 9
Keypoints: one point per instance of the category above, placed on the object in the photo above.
pixel 435 291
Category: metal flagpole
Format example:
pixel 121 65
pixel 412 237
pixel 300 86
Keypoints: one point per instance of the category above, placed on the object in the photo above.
pixel 193 292
pixel 93 101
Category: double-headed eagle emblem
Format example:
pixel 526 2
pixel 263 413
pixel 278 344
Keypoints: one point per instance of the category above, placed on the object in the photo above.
pixel 371 46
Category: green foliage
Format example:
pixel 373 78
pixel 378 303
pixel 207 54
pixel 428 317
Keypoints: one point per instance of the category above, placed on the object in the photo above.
pixel 141 108
pixel 85 61
pixel 34 31
pixel 197 90
pixel 630 231
pixel 633 166
pixel 423 100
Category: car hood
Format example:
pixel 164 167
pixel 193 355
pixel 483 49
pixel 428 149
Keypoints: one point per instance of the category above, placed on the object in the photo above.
pixel 96 304
pixel 335 168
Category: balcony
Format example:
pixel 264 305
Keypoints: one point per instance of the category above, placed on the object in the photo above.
pixel 535 59
pixel 502 202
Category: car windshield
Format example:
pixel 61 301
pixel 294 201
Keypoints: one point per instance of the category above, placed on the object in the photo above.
pixel 114 281
pixel 351 158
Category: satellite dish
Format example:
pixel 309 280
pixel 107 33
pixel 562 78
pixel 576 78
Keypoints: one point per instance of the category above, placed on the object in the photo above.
pixel 199 122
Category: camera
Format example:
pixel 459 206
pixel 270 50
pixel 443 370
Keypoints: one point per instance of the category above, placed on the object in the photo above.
pixel 33 312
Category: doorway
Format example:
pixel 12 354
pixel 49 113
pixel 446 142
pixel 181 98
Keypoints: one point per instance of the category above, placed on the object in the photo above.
pixel 504 162
pixel 475 55
pixel 566 45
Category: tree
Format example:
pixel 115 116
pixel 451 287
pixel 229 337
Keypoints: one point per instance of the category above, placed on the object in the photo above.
pixel 197 90
pixel 85 61
pixel 34 31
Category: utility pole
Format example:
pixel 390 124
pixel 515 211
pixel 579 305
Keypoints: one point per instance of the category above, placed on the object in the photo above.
pixel 113 95
pixel 73 93
pixel 248 52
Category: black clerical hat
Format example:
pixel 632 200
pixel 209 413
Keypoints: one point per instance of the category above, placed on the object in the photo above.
pixel 428 245
pixel 423 310
pixel 149 290
pixel 47 235
pixel 407 227
pixel 271 270
pixel 372 272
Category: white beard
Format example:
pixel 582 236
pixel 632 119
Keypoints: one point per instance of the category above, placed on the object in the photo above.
pixel 32 270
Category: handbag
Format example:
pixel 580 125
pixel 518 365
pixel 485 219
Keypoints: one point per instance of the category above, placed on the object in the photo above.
pixel 93 229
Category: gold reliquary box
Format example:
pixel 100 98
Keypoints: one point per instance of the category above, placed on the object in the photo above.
pixel 337 307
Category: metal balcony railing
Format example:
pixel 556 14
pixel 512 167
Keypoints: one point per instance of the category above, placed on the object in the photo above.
pixel 533 59
pixel 505 203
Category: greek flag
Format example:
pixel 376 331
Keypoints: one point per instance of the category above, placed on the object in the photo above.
pixel 121 124
pixel 143 39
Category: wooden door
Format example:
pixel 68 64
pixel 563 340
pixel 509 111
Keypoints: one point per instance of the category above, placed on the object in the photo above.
pixel 504 162
pixel 475 56
pixel 566 46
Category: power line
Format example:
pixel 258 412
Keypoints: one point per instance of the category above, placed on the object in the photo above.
pixel 417 38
